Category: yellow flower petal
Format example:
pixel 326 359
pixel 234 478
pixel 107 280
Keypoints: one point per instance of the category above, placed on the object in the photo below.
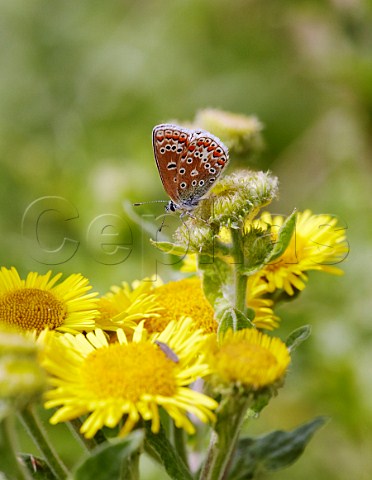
pixel 127 381
pixel 249 358
pixel 40 302
pixel 318 243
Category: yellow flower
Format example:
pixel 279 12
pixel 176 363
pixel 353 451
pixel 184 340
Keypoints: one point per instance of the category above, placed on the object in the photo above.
pixel 264 315
pixel 128 381
pixel 38 302
pixel 124 306
pixel 249 358
pixel 183 298
pixel 318 243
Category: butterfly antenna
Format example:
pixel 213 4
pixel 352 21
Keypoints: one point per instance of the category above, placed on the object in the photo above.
pixel 137 204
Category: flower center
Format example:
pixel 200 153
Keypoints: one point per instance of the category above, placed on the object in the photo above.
pixel 184 298
pixel 129 371
pixel 245 363
pixel 32 308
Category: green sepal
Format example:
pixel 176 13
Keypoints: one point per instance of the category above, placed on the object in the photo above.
pixel 298 336
pixel 166 453
pixel 170 248
pixel 272 452
pixel 256 246
pixel 110 460
pixel 37 467
pixel 284 237
pixel 234 319
pixel 259 250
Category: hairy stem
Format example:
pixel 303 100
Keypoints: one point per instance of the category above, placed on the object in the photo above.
pixel 11 466
pixel 224 440
pixel 240 279
pixel 37 432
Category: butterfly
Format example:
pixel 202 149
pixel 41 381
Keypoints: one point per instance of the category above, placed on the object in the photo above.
pixel 189 162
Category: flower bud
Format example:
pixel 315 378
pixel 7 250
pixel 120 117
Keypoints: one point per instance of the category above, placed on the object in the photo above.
pixel 21 377
pixel 240 133
pixel 240 196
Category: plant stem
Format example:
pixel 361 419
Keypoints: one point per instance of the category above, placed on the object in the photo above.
pixel 11 466
pixel 224 440
pixel 173 464
pixel 74 427
pixel 37 432
pixel 240 279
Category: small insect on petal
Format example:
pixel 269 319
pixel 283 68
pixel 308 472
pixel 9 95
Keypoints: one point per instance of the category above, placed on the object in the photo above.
pixel 168 351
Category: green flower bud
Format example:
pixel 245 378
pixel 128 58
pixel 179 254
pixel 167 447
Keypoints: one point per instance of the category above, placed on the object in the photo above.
pixel 21 377
pixel 240 133
pixel 257 246
pixel 238 197
pixel 195 235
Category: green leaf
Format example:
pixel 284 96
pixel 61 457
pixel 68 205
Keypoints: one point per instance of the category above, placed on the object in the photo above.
pixel 284 237
pixel 170 248
pixel 37 467
pixel 297 337
pixel 234 319
pixel 110 460
pixel 217 279
pixel 172 462
pixel 272 452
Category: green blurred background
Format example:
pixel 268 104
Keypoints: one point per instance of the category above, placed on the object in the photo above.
pixel 83 83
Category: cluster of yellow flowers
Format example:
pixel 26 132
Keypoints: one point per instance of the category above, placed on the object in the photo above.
pixel 118 358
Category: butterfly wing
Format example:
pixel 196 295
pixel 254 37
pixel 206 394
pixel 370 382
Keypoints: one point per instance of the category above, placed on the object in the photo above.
pixel 202 162
pixel 169 143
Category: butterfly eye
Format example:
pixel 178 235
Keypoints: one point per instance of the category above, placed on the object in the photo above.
pixel 201 182
pixel 193 183
pixel 183 185
pixel 179 149
pixel 212 170
pixel 189 160
pixel 211 180
pixel 207 165
pixel 162 150
pixel 182 171
pixel 174 147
